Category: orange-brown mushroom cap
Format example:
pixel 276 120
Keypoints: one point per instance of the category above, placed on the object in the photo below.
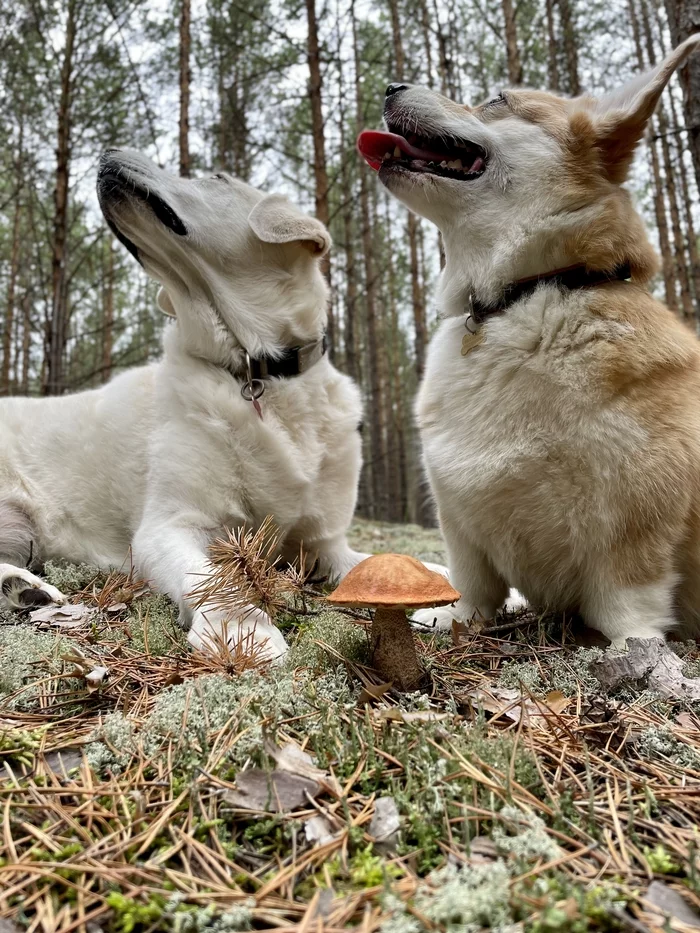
pixel 393 580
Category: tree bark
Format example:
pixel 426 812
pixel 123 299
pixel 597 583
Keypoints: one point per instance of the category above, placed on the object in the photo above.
pixel 687 308
pixel 14 273
pixel 683 21
pixel 108 313
pixel 185 80
pixel 58 323
pixel 417 299
pixel 376 408
pixel 552 50
pixel 667 265
pixel 570 46
pixel 515 68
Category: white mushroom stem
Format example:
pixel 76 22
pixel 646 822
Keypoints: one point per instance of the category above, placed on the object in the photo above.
pixel 393 649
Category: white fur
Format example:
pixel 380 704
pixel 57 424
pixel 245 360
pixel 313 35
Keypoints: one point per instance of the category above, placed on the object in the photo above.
pixel 165 457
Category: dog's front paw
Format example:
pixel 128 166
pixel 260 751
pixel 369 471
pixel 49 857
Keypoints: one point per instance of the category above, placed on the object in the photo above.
pixel 439 620
pixel 20 589
pixel 515 602
pixel 249 632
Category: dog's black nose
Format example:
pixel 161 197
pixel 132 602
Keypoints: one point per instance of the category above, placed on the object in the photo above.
pixel 395 88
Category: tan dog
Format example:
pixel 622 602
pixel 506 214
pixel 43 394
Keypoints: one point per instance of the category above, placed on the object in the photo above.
pixel 561 428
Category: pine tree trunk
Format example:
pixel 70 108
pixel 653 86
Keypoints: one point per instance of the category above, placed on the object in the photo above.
pixel 26 340
pixel 570 46
pixel 427 45
pixel 687 308
pixel 667 266
pixel 552 51
pixel 515 68
pixel 376 406
pixel 12 282
pixel 417 300
pixel 108 313
pixel 683 21
pixel 185 80
pixel 58 323
pixel 313 59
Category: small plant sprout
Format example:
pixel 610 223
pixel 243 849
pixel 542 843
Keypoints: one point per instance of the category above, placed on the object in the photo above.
pixel 390 584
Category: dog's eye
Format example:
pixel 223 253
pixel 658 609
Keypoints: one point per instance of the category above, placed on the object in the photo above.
pixel 496 101
pixel 220 176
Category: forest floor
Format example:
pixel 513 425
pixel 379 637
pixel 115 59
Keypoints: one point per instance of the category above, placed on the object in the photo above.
pixel 534 785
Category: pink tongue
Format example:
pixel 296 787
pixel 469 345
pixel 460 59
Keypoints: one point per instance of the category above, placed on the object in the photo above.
pixel 374 144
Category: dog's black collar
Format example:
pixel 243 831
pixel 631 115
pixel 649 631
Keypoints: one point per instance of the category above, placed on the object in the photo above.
pixel 294 362
pixel 571 278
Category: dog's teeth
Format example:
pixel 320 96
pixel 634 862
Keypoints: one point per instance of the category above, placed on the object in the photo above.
pixel 457 163
pixel 452 164
pixel 443 164
pixel 397 153
pixel 387 155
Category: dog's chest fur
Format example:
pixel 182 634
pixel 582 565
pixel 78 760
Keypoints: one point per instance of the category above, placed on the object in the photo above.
pixel 524 440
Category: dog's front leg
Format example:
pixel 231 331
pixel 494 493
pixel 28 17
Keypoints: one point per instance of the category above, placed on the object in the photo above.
pixel 174 560
pixel 471 573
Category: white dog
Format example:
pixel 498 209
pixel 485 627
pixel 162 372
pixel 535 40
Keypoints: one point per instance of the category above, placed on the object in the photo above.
pixel 164 457
pixel 560 409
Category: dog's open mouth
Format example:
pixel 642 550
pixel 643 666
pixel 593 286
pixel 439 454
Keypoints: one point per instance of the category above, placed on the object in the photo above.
pixel 455 158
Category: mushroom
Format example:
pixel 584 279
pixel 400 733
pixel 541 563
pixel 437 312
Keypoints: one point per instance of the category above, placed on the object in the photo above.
pixel 390 584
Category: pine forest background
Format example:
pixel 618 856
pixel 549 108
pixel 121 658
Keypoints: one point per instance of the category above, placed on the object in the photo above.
pixel 275 91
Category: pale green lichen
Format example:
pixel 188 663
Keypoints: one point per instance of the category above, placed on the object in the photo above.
pixel 331 628
pixel 27 656
pixel 71 578
pixel 112 746
pixel 154 627
pixel 190 716
pixel 456 900
pixel 524 836
pixel 567 672
pixel 659 741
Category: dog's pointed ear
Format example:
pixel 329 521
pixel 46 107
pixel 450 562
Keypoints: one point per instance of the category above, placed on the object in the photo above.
pixel 277 220
pixel 165 303
pixel 620 117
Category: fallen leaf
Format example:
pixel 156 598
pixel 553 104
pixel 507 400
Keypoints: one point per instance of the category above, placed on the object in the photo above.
pixel 96 677
pixel 385 822
pixel 116 608
pixel 295 760
pixel 510 702
pixel 272 792
pixel 372 692
pixel 67 616
pixel 669 902
pixel 318 830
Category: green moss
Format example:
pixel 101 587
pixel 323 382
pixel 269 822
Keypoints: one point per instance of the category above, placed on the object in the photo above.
pixel 661 861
